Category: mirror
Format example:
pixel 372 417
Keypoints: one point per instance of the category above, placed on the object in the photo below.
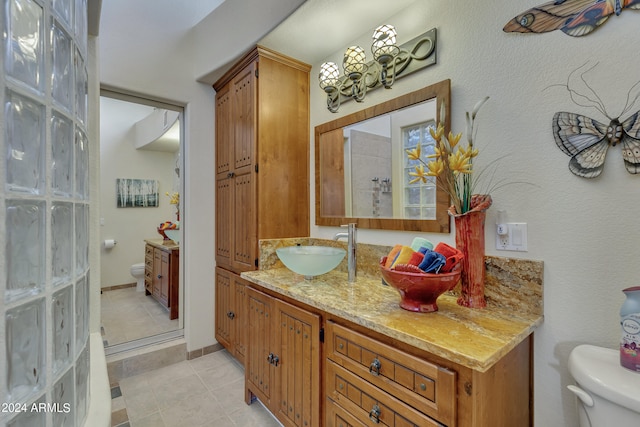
pixel 362 167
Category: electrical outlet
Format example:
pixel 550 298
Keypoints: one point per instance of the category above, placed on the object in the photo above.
pixel 515 239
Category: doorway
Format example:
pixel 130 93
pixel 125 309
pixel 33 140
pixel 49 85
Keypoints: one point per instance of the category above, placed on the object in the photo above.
pixel 141 146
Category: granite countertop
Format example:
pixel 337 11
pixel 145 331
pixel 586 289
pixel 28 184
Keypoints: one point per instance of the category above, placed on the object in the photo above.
pixel 475 338
pixel 163 244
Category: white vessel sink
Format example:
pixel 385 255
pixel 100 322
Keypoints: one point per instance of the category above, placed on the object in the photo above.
pixel 310 261
pixel 173 235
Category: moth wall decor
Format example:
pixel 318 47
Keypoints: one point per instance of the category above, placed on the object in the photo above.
pixel 574 17
pixel 587 140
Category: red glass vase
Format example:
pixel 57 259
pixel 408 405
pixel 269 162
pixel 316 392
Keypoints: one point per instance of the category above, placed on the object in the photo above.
pixel 470 241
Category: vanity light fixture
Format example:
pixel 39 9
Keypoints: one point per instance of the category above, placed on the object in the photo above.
pixel 390 61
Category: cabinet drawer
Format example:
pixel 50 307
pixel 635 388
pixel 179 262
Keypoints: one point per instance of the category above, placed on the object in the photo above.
pixel 425 386
pixel 368 403
pixel 148 251
pixel 338 417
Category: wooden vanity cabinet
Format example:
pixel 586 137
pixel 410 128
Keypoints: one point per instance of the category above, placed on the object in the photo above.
pixel 283 362
pixel 262 161
pixel 372 380
pixel 161 275
pixel 368 381
pixel 231 326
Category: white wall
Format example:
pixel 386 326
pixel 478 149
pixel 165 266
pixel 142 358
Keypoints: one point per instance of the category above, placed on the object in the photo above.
pixel 583 230
pixel 120 159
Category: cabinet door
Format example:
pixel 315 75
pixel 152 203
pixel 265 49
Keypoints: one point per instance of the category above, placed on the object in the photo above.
pixel 244 119
pixel 245 238
pixel 223 308
pixel 224 131
pixel 245 217
pixel 259 359
pixel 165 278
pixel 239 327
pixel 157 272
pixel 224 221
pixel 297 380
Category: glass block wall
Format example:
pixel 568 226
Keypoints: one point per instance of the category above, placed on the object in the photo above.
pixel 44 214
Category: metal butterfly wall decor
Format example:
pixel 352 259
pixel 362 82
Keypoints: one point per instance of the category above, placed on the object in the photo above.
pixel 574 17
pixel 586 140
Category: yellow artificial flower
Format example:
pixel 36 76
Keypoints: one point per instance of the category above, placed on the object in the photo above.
pixel 451 163
pixel 174 199
pixel 436 167
pixel 419 174
pixel 453 139
pixel 437 134
pixel 459 162
pixel 414 154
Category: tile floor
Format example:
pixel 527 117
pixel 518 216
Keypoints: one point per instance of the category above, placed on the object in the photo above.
pixel 129 315
pixel 204 392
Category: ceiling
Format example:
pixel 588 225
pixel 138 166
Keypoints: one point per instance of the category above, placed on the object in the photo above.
pixel 118 118
pixel 319 28
pixel 313 32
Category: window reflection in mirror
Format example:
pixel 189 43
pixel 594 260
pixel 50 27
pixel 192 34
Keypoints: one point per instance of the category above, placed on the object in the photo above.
pixel 362 170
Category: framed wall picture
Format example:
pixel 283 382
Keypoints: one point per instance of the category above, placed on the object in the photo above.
pixel 137 193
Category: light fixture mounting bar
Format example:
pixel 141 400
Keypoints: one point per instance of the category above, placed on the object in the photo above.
pixel 414 55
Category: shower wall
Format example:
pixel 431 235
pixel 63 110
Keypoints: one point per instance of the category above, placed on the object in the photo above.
pixel 44 213
pixel 370 165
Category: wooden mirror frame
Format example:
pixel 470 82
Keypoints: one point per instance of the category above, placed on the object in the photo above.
pixel 442 92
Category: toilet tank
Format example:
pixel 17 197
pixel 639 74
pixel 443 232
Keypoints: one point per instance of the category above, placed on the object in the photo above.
pixel 608 394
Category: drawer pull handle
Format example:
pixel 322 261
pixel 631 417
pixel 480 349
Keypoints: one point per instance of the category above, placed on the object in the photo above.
pixel 375 366
pixel 273 359
pixel 423 386
pixel 374 414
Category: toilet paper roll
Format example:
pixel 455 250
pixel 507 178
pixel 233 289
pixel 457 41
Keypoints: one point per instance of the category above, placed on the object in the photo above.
pixel 109 243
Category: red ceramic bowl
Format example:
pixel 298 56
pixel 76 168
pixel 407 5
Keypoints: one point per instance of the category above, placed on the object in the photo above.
pixel 419 291
pixel 161 232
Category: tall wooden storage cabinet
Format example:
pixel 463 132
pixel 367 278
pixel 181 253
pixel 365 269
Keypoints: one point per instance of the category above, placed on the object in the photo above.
pixel 262 169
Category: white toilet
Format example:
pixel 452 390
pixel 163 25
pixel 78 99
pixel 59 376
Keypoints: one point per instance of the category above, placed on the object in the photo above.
pixel 137 271
pixel 608 394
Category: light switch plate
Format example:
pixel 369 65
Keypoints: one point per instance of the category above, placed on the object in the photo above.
pixel 515 239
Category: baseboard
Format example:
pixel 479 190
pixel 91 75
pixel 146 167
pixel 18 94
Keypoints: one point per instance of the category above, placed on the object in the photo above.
pixel 116 287
pixel 204 351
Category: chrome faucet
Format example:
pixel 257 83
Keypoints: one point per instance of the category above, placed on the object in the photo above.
pixel 350 235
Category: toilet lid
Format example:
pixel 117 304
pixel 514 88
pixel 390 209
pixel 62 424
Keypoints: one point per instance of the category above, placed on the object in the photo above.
pixel 598 370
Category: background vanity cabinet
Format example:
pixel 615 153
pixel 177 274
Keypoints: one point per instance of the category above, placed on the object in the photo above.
pixel 161 275
pixel 231 326
pixel 262 158
pixel 283 361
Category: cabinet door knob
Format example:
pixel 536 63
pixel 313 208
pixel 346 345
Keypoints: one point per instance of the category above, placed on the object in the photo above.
pixel 159 276
pixel 231 315
pixel 375 366
pixel 374 414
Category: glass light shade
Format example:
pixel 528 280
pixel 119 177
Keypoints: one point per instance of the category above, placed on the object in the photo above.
pixel 354 60
pixel 329 74
pixel 384 41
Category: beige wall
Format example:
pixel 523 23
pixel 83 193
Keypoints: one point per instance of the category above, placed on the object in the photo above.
pixel 129 226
